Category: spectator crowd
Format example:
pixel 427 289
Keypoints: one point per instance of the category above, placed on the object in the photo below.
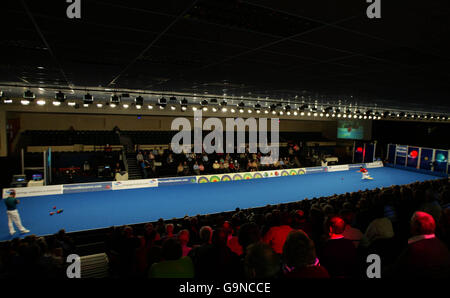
pixel 408 226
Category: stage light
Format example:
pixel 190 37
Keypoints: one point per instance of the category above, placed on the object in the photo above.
pixel 41 102
pixel 173 108
pixel 327 115
pixel 56 103
pixel 126 106
pixel 281 113
pixel 258 111
pixel 85 105
pixel 194 109
pixel 295 113
pixel 150 107
pixel 224 109
pixel 138 107
pixel 71 103
pixel 25 102
pixel 232 110
pixel 112 105
pixel 183 108
pixel 99 105
pixel 344 116
pixel 205 109
pixel 315 114
pixel 162 107
pixel 249 111
pixel 321 115
pixel 288 113
pixel 266 111
pixel 302 114
pixel 214 110
pixel 241 110
pixel 339 115
pixel 7 100
pixel 274 112
pixel 309 113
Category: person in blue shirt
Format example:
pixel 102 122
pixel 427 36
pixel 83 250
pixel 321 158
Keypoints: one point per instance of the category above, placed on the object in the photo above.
pixel 13 215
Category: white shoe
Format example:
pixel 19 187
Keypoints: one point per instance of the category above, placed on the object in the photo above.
pixel 25 231
pixel 12 233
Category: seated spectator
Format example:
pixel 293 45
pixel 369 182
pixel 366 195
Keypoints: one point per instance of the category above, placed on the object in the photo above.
pixel 248 234
pixel 299 255
pixel 117 168
pixel 201 168
pixel 380 228
pixel 338 255
pixel 300 222
pixel 276 236
pixel 351 233
pixel 180 169
pixel 261 262
pixel 425 256
pixel 216 166
pixel 173 265
pixel 169 232
pixel 183 238
pixel 186 169
pixel 196 168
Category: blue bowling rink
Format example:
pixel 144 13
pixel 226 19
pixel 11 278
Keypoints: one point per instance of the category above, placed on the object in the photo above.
pixel 93 210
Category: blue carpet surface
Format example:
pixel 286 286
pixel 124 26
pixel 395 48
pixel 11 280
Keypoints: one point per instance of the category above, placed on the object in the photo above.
pixel 85 211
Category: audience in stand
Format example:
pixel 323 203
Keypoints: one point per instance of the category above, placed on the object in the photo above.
pixel 312 238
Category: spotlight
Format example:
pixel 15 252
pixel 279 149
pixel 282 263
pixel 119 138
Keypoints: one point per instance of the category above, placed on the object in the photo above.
pixel 71 103
pixel 85 105
pixel 183 108
pixel 224 109
pixel 7 100
pixel 138 107
pixel 233 111
pixel 25 102
pixel 214 110
pixel 125 106
pixel 241 110
pixel 302 114
pixel 99 105
pixel 150 107
pixel 281 112
pixel 205 109
pixel 266 112
pixel 41 102
pixel 295 113
pixel 56 103
pixel 173 108
pixel 194 109
pixel 112 105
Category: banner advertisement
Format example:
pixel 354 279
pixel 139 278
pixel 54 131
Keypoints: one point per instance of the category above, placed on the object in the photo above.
pixel 130 184
pixel 316 170
pixel 176 181
pixel 86 187
pixel 22 192
pixel 338 168
pixel 376 164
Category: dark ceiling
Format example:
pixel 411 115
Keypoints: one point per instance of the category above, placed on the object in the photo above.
pixel 280 49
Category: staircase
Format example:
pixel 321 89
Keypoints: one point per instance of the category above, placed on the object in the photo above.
pixel 134 171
